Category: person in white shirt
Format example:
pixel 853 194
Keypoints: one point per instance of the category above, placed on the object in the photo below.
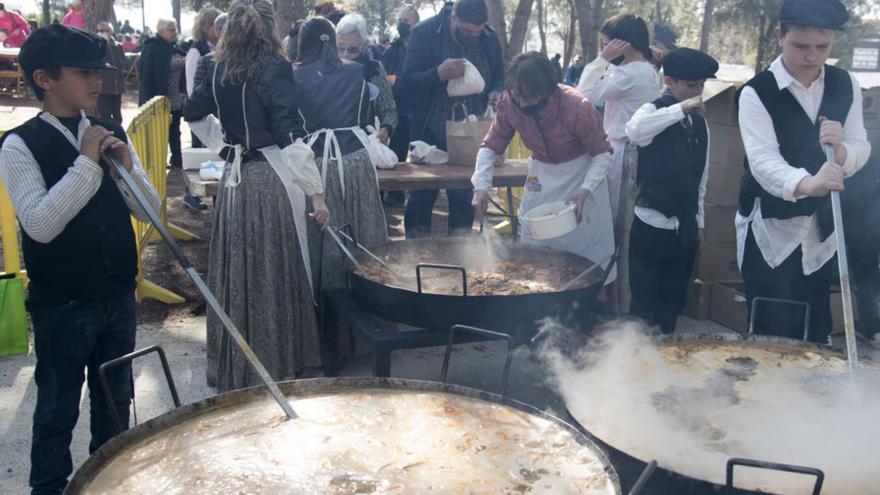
pixel 784 225
pixel 622 79
pixel 673 142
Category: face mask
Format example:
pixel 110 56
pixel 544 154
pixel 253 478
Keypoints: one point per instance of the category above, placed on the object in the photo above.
pixel 532 110
pixel 403 29
pixel 105 36
pixel 619 60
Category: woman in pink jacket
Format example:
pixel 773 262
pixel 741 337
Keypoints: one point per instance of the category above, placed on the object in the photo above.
pixel 75 17
pixel 570 155
pixel 16 27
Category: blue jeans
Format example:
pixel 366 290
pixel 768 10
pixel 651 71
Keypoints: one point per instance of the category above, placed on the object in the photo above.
pixel 69 339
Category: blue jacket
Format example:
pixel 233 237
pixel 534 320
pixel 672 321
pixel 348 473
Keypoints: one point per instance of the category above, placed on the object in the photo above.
pixel 424 53
pixel 573 75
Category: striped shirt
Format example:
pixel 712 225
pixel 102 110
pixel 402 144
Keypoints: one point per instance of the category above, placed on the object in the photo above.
pixel 44 213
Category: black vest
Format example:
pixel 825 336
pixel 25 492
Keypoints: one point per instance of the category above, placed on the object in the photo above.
pixel 672 166
pixel 95 255
pixel 798 138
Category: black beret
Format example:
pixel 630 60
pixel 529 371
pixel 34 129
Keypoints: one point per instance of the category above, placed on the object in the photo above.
pixel 825 14
pixel 63 46
pixel 687 64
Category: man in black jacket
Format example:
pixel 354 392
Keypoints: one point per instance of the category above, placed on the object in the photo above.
pixel 436 54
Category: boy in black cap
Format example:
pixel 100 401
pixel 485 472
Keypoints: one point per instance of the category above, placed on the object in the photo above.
pixel 673 142
pixel 78 244
pixel 784 225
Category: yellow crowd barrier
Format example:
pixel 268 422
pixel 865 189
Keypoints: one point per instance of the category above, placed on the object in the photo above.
pixel 148 135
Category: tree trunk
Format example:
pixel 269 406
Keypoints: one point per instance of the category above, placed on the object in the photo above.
pixel 299 10
pixel 541 27
pixel 519 28
pixel 284 17
pixel 47 12
pixel 570 36
pixel 708 11
pixel 496 20
pixel 96 11
pixel 762 45
pixel 586 28
pixel 175 11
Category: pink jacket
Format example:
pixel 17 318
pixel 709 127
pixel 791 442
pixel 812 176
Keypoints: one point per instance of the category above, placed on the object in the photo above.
pixel 13 22
pixel 568 127
pixel 74 19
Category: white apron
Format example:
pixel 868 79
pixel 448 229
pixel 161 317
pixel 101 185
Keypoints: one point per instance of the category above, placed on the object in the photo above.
pixel 615 172
pixel 210 131
pixel 594 236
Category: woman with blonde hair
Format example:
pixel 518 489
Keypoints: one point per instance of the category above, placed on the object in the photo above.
pixel 258 264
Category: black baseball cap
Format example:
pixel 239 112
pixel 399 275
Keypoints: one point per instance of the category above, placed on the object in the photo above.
pixel 63 46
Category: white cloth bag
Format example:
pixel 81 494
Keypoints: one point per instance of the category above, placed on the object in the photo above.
pixel 470 83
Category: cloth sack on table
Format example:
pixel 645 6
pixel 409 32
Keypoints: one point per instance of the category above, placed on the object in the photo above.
pixel 212 170
pixel 382 156
pixel 423 153
pixel 470 83
pixel 464 137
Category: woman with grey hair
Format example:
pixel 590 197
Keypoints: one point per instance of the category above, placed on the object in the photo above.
pixel 161 73
pixel 351 42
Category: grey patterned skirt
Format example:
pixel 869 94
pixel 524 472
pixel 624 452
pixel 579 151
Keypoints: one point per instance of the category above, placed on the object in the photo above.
pixel 256 270
pixel 360 207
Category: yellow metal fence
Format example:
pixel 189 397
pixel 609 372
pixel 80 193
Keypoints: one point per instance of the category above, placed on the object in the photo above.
pixel 148 135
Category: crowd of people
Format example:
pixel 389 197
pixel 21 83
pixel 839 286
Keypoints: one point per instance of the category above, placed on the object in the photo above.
pixel 291 118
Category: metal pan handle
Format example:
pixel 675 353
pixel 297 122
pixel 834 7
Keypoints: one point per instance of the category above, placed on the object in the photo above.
pixel 785 468
pixel 442 267
pixel 757 300
pixel 643 479
pixel 489 333
pixel 127 359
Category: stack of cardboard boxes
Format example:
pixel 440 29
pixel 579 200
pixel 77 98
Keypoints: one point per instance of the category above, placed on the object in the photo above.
pixel 716 266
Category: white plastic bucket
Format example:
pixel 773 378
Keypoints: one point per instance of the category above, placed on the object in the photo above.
pixel 551 220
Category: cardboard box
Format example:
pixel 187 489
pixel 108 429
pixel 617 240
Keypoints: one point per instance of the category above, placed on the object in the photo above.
pixel 717 261
pixel 722 186
pixel 837 325
pixel 871 108
pixel 719 98
pixel 874 139
pixel 728 306
pixel 719 224
pixel 697 301
pixel 726 145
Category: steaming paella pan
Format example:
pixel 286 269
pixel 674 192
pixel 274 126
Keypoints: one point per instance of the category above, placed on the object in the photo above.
pixel 437 283
pixel 694 402
pixel 354 435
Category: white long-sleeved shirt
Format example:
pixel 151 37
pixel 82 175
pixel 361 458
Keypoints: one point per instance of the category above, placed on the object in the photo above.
pixel 191 64
pixel 645 125
pixel 623 89
pixel 484 171
pixel 43 213
pixel 777 239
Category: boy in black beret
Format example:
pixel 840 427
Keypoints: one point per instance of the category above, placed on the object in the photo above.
pixel 784 225
pixel 77 241
pixel 673 144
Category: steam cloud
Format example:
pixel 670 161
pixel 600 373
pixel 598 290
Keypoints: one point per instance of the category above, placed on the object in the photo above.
pixel 626 390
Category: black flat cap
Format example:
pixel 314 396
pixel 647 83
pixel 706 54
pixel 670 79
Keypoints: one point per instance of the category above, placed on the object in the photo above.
pixel 687 64
pixel 825 14
pixel 63 46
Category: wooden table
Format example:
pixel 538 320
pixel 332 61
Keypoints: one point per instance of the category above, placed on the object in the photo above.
pixel 408 177
pixel 404 177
